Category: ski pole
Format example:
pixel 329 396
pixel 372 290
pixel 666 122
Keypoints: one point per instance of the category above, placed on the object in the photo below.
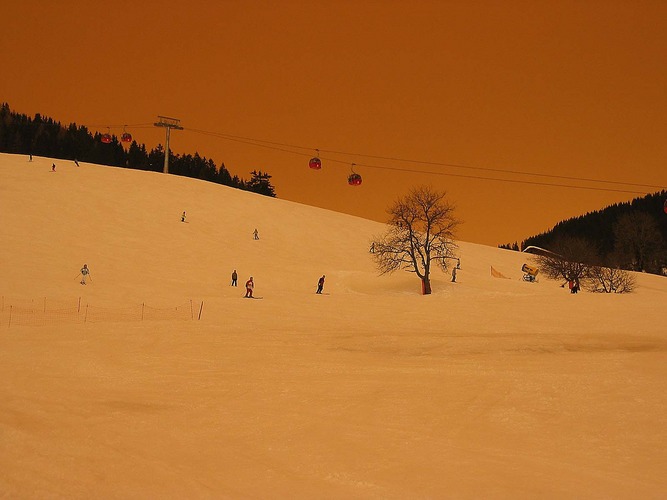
pixel 77 276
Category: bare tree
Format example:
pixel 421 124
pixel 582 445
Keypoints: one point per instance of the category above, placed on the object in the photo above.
pixel 421 233
pixel 639 243
pixel 609 280
pixel 569 259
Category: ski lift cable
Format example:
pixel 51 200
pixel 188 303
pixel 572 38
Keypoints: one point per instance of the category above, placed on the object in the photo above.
pixel 281 147
pixel 515 181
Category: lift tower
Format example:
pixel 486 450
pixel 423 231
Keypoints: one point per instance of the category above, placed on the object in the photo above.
pixel 168 123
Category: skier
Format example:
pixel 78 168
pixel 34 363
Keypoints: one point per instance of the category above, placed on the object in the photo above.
pixel 256 234
pixel 234 278
pixel 249 285
pixel 84 273
pixel 183 217
pixel 53 167
pixel 320 285
pixel 30 158
pixel 454 275
pixel 372 249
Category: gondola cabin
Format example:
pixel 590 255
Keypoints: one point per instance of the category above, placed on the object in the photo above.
pixel 354 180
pixel 106 138
pixel 126 137
pixel 315 163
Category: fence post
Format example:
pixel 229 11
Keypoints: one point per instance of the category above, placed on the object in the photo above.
pixel 192 314
pixel 10 317
pixel 142 310
pixel 200 309
pixel 45 304
pixel 85 317
pixel 78 308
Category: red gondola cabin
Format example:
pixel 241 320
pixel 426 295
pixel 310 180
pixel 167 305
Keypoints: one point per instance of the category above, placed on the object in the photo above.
pixel 354 180
pixel 315 163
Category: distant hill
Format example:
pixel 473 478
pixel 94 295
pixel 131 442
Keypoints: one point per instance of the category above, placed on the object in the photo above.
pixel 43 136
pixel 631 235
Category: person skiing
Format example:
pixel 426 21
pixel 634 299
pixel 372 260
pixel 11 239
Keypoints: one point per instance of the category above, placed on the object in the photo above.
pixel 53 167
pixel 183 217
pixel 234 278
pixel 85 272
pixel 249 285
pixel 256 234
pixel 320 285
pixel 454 275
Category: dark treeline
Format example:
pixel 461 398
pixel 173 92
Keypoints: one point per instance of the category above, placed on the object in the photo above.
pixel 630 235
pixel 42 136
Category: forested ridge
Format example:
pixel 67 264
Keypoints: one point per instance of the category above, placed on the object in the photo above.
pixel 630 235
pixel 43 136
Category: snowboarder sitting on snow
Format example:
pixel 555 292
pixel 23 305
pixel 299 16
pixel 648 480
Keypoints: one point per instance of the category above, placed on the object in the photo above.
pixel 249 285
pixel 320 284
pixel 84 273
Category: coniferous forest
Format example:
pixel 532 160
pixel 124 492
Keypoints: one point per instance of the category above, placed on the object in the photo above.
pixel 630 235
pixel 43 136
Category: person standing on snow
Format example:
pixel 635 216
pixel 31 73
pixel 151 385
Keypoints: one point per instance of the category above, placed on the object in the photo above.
pixel 183 217
pixel 249 285
pixel 320 285
pixel 256 234
pixel 234 278
pixel 85 272
pixel 454 275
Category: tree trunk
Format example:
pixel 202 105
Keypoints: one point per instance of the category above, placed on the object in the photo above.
pixel 426 286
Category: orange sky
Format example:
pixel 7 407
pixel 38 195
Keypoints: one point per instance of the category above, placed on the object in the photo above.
pixel 572 89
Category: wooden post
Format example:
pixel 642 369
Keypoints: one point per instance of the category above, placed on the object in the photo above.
pixel 200 309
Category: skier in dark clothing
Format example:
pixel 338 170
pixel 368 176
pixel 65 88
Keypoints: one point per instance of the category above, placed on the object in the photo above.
pixel 234 278
pixel 320 285
pixel 85 273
